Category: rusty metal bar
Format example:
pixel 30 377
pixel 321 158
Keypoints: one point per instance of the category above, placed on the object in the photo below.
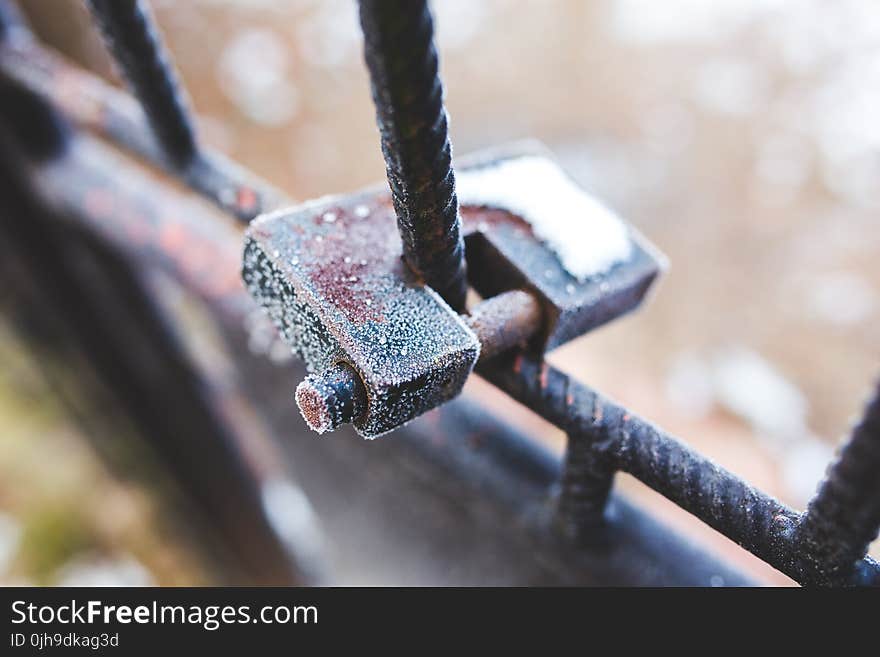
pixel 504 321
pixel 620 440
pixel 587 478
pixel 136 44
pixel 92 103
pixel 402 60
pixel 844 517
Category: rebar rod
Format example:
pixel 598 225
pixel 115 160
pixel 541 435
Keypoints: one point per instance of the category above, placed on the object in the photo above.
pixel 587 478
pixel 136 44
pixel 844 517
pixel 90 102
pixel 622 441
pixel 402 60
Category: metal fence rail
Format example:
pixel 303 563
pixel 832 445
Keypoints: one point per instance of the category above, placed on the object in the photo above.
pixel 826 545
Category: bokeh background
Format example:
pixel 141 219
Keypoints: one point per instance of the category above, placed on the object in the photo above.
pixel 741 136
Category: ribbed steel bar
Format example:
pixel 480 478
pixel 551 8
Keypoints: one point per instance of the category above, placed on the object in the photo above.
pixel 137 46
pixel 844 517
pixel 587 477
pixel 93 104
pixel 402 60
pixel 622 441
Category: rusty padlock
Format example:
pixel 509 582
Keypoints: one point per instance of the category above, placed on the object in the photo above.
pixel 382 348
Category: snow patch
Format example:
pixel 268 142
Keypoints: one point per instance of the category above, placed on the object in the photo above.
pixel 587 237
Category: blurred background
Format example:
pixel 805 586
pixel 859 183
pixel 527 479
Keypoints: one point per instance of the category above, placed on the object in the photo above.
pixel 740 136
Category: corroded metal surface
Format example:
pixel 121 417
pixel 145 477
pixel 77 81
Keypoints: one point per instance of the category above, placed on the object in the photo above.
pixel 331 398
pixel 503 322
pixel 330 276
pixel 476 491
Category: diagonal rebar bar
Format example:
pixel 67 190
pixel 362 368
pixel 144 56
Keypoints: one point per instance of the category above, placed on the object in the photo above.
pixel 136 44
pixel 844 517
pixel 607 437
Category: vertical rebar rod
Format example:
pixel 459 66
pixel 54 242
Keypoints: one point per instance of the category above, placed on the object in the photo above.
pixel 136 44
pixel 588 474
pixel 402 60
pixel 586 484
pixel 844 516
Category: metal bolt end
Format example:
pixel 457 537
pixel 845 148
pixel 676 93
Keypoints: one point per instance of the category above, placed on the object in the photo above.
pixel 331 398
pixel 505 321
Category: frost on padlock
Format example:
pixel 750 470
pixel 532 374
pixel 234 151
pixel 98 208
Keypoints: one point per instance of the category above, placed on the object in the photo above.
pixel 331 276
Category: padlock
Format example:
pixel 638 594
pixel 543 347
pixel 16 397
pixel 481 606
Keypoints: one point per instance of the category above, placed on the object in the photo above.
pixel 330 275
pixel 382 347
